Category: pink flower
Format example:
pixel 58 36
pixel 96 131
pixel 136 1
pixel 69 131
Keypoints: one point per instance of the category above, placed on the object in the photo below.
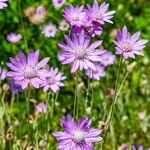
pixel 3 4
pixel 14 38
pixel 41 108
pixel 129 45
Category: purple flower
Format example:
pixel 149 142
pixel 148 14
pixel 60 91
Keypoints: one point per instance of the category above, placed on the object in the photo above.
pixel 80 53
pixel 2 74
pixel 77 135
pixel 58 3
pixel 128 45
pixel 53 80
pixel 139 148
pixel 15 86
pixel 108 59
pixel 41 108
pixel 63 25
pixel 3 4
pixel 49 30
pixel 14 38
pixel 75 15
pixel 98 13
pixel 97 74
pixel 41 10
pixel 27 70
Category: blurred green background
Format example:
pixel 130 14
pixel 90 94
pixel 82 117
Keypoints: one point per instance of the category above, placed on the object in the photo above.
pixel 128 126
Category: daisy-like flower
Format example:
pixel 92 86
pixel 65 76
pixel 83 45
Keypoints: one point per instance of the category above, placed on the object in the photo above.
pixel 14 38
pixel 58 3
pixel 64 26
pixel 77 135
pixel 97 74
pixel 80 53
pixel 129 45
pixel 41 108
pixel 2 74
pixel 75 15
pixel 27 70
pixel 3 4
pixel 53 80
pixel 98 13
pixel 15 87
pixel 49 30
pixel 108 59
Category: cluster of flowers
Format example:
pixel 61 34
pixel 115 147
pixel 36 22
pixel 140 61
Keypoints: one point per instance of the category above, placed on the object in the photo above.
pixel 126 147
pixel 28 70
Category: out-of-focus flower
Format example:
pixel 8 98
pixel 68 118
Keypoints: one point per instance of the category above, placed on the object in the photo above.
pixel 77 135
pixel 49 30
pixel 30 11
pixel 6 87
pixel 15 86
pixel 58 3
pixel 142 115
pixel 96 74
pixel 53 80
pixel 124 147
pixel 3 4
pixel 41 10
pixel 75 15
pixel 2 74
pixel 14 38
pixel 63 25
pixel 131 67
pixel 108 59
pixel 140 147
pixel 36 15
pixel 98 13
pixel 129 45
pixel 80 52
pixel 41 108
pixel 27 70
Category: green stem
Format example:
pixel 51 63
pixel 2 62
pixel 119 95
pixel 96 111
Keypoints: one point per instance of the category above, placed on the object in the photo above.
pixel 75 111
pixel 87 94
pixel 92 100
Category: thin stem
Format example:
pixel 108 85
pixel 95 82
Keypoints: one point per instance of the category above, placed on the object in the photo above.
pixel 92 100
pixel 75 110
pixel 22 25
pixel 87 94
pixel 113 103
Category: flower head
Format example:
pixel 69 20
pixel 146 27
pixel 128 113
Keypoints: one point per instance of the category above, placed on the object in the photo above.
pixel 15 86
pixel 2 74
pixel 58 3
pixel 77 135
pixel 129 45
pixel 14 38
pixel 3 4
pixel 49 30
pixel 75 15
pixel 98 73
pixel 41 10
pixel 41 108
pixel 80 53
pixel 64 26
pixel 53 80
pixel 98 13
pixel 27 70
pixel 108 59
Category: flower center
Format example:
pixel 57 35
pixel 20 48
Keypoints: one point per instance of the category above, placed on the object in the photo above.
pixel 79 136
pixel 59 1
pixel 29 71
pixel 98 15
pixel 75 16
pixel 51 80
pixel 80 52
pixel 126 46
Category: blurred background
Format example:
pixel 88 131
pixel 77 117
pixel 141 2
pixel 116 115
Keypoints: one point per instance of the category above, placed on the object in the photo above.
pixel 131 120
